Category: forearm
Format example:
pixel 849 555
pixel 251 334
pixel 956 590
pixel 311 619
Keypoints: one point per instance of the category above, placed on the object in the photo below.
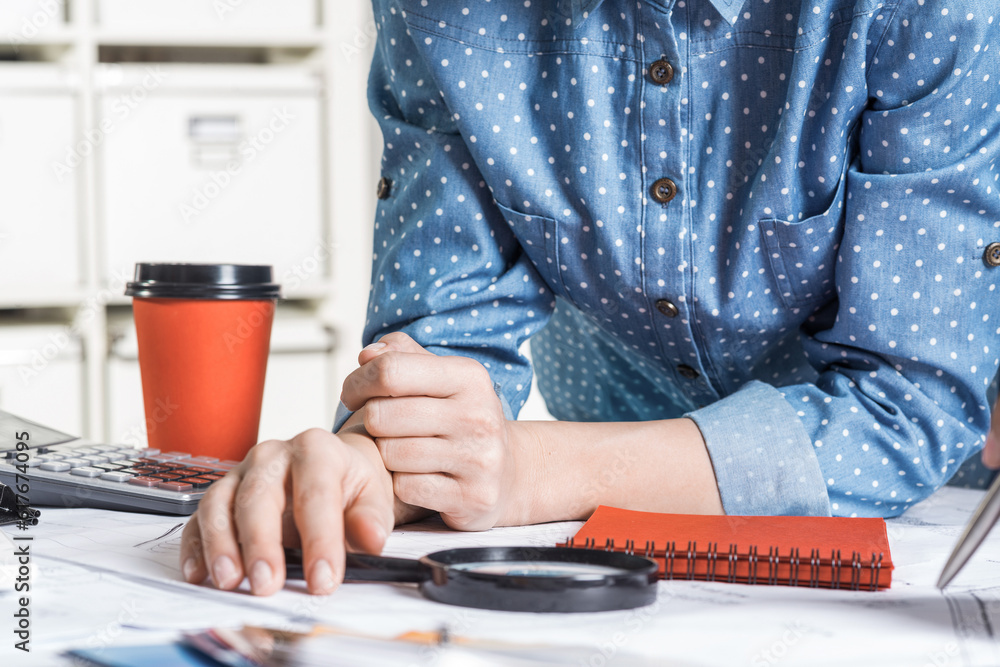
pixel 567 469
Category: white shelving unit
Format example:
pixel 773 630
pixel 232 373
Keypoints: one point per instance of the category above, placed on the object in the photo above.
pixel 335 51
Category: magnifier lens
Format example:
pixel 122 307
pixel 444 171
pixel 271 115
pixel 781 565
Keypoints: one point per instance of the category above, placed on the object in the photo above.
pixel 526 568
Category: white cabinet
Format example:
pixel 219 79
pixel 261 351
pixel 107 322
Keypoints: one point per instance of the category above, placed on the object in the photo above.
pixel 297 391
pixel 41 375
pixel 39 247
pixel 213 164
pixel 23 20
pixel 215 16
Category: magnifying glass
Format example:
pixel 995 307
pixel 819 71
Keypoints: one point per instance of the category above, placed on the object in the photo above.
pixel 537 579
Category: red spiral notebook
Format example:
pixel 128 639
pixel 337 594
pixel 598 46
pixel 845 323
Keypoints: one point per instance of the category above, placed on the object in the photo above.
pixel 827 552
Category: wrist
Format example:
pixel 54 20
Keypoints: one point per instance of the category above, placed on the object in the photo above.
pixel 525 496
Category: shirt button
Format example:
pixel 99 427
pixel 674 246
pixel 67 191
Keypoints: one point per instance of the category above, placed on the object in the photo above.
pixel 667 308
pixel 661 72
pixel 663 190
pixel 384 188
pixel 687 371
pixel 992 255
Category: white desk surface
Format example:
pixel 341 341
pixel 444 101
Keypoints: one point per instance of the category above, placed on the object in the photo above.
pixel 103 578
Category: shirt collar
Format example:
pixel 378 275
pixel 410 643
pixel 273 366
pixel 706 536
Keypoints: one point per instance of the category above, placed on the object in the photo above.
pixel 579 10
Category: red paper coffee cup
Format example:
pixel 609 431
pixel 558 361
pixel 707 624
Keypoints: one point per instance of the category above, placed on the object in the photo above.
pixel 204 332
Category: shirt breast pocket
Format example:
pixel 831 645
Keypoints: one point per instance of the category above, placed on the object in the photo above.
pixel 802 256
pixel 537 236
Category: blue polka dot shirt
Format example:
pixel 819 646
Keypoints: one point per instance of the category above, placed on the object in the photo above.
pixel 778 218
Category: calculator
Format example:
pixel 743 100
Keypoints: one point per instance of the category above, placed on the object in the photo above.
pixel 56 470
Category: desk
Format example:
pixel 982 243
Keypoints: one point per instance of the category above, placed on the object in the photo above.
pixel 117 581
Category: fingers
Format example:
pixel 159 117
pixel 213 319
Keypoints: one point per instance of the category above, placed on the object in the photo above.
pixel 393 342
pixel 435 491
pixel 417 455
pixel 409 374
pixel 412 416
pixel 211 539
pixel 317 497
pixel 258 509
pixel 368 519
pixel 991 452
pixel 192 563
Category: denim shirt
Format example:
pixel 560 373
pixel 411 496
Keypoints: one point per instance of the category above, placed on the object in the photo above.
pixel 773 217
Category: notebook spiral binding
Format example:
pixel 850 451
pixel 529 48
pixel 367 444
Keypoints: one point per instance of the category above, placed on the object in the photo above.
pixel 681 562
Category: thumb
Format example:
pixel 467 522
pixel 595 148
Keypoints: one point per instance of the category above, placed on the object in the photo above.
pixel 396 341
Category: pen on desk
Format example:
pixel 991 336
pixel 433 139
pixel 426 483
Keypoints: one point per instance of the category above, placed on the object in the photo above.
pixel 978 528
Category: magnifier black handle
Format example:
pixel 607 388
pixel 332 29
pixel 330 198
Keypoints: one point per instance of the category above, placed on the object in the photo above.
pixel 363 567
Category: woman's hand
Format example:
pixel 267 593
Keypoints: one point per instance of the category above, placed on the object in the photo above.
pixel 991 452
pixel 318 490
pixel 440 429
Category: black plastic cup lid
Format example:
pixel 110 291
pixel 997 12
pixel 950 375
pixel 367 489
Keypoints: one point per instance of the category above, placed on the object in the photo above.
pixel 203 281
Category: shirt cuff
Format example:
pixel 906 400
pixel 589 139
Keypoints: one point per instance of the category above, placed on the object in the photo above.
pixel 343 414
pixel 763 458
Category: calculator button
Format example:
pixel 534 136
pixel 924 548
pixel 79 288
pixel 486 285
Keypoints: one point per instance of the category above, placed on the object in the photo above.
pixel 81 451
pixel 95 458
pixel 77 463
pixel 204 459
pixel 224 465
pixel 31 463
pixel 86 472
pixel 55 466
pixel 145 481
pixel 51 457
pixel 175 486
pixel 178 455
pixel 199 469
pixel 166 476
pixel 103 448
pixel 198 482
pixel 116 476
pixel 123 463
pixel 212 478
pixel 108 466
